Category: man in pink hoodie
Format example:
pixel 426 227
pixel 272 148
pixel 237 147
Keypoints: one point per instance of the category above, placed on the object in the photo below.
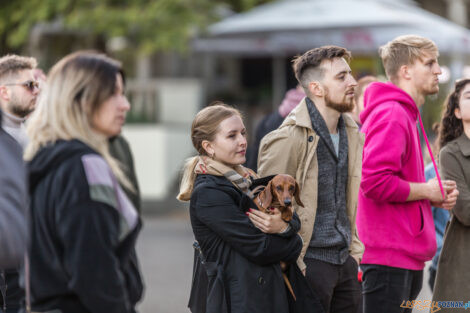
pixel 394 218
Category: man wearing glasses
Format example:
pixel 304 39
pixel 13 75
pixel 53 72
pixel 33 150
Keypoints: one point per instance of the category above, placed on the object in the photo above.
pixel 18 93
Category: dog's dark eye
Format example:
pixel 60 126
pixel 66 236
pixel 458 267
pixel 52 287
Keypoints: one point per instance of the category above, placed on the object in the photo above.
pixel 278 188
pixel 291 188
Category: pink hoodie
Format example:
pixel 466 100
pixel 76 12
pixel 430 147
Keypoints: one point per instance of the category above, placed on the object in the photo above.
pixel 395 232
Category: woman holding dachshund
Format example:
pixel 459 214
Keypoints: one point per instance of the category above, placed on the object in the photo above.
pixel 242 261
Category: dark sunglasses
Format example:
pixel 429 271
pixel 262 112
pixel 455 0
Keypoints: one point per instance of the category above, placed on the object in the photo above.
pixel 30 85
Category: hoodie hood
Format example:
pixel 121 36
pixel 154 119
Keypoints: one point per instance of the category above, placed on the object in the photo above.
pixel 378 94
pixel 51 156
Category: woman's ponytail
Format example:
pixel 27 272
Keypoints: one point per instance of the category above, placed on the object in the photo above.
pixel 187 182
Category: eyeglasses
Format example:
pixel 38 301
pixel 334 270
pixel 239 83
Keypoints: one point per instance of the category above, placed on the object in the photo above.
pixel 30 85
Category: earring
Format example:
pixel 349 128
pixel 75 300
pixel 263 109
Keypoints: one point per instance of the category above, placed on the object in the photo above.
pixel 212 155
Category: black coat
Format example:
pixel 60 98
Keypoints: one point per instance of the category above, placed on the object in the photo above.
pixel 82 252
pixel 243 260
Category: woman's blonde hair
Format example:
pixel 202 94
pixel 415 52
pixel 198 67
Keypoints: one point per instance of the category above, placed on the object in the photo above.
pixel 76 88
pixel 205 126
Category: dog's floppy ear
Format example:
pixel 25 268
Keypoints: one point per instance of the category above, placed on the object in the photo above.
pixel 266 196
pixel 297 195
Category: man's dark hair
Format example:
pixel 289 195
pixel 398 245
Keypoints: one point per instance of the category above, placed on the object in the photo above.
pixel 307 66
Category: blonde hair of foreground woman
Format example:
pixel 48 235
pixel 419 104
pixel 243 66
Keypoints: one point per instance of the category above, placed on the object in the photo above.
pixel 76 88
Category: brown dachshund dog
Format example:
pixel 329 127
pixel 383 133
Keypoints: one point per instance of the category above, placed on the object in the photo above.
pixel 278 194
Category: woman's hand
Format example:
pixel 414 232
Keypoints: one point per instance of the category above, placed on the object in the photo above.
pixel 267 223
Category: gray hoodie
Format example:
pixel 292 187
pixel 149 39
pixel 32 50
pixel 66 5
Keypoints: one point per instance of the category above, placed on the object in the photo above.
pixel 12 202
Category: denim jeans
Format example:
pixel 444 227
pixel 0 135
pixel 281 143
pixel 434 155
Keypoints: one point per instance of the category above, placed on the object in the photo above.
pixel 384 288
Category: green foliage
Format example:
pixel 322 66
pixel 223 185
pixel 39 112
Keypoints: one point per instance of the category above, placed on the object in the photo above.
pixel 242 5
pixel 149 26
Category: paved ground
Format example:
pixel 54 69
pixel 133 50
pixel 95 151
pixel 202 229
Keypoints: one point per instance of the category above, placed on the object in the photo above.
pixel 425 293
pixel 166 256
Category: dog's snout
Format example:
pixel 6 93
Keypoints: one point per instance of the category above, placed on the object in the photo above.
pixel 287 202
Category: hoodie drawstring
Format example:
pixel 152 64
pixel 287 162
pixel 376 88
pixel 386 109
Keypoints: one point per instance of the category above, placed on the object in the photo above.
pixel 432 156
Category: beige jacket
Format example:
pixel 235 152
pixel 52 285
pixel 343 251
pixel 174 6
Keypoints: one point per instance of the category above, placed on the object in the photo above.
pixel 290 149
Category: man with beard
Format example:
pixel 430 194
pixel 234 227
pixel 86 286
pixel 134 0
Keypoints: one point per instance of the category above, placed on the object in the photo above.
pixel 18 92
pixel 321 147
pixel 394 219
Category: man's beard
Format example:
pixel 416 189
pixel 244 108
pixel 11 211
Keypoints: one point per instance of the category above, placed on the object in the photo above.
pixel 342 107
pixel 17 109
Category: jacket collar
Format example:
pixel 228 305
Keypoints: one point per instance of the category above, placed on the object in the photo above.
pixel 300 117
pixel 464 144
pixel 319 125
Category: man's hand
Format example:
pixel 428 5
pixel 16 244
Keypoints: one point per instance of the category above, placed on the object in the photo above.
pixel 434 191
pixel 267 223
pixel 450 200
pixel 431 191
